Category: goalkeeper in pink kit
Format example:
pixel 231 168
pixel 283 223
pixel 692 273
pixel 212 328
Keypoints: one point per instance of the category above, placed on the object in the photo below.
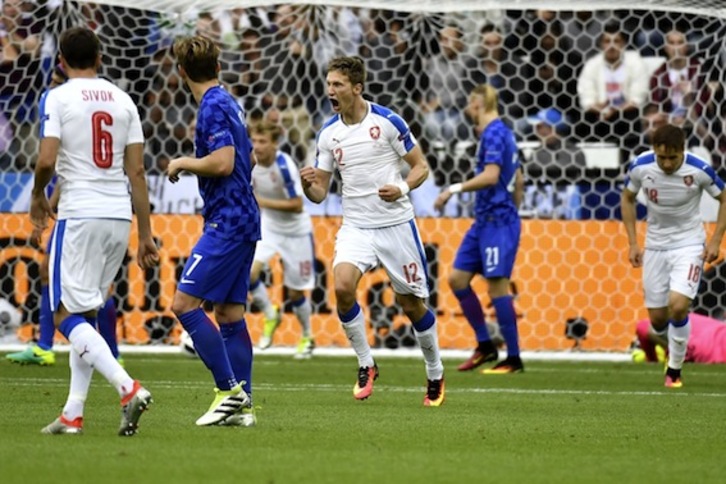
pixel 707 343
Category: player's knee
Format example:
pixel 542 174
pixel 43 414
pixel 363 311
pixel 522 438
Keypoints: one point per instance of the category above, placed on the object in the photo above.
pixel 344 295
pixel 414 307
pixel 457 281
pixel 181 305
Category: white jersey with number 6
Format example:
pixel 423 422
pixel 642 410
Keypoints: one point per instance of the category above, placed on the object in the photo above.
pixel 94 121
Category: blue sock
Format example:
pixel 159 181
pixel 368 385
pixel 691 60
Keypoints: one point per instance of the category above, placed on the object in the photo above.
pixel 46 327
pixel 425 323
pixel 209 346
pixel 239 349
pixel 507 318
pixel 68 324
pixel 352 313
pixel 471 308
pixel 106 324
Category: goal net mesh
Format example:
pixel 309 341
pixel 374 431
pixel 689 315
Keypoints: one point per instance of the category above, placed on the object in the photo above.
pixel 576 126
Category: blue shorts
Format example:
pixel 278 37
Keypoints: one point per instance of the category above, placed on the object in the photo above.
pixel 218 270
pixel 489 250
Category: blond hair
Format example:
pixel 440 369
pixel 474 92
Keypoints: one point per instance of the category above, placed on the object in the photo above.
pixel 265 127
pixel 490 96
pixel 198 55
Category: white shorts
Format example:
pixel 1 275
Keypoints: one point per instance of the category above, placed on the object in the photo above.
pixel 397 248
pixel 676 270
pixel 85 256
pixel 297 254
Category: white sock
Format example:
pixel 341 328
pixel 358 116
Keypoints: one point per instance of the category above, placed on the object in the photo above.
pixel 262 301
pixel 303 311
pixel 355 330
pixel 92 348
pixel 81 375
pixel 429 342
pixel 678 344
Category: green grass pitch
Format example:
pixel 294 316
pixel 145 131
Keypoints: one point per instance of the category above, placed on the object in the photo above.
pixel 558 422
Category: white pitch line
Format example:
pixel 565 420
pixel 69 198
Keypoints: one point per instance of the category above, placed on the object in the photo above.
pixel 297 387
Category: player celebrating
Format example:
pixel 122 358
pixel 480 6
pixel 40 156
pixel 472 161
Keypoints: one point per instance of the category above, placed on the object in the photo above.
pixel 286 230
pixel 366 142
pixel 672 181
pixel 218 268
pixel 490 246
pixel 90 239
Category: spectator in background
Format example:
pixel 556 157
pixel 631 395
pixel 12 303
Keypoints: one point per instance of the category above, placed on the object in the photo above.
pixel 612 88
pixel 557 159
pixel 551 76
pixel 21 76
pixel 501 72
pixel 583 28
pixel 678 89
pixel 449 79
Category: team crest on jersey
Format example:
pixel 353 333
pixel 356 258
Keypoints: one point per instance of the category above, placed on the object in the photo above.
pixel 688 180
pixel 375 132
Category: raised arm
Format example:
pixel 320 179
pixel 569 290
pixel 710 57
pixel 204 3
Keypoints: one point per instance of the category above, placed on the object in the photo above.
pixel 416 176
pixel 315 183
pixel 218 163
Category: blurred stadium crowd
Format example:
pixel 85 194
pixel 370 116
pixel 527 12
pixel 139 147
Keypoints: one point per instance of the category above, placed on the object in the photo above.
pixel 567 80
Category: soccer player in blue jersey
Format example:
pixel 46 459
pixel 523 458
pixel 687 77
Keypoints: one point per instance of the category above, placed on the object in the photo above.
pixel 41 353
pixel 369 145
pixel 218 269
pixel 672 181
pixel 490 246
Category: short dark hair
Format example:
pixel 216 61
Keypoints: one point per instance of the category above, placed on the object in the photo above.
pixel 669 136
pixel 352 67
pixel 199 56
pixel 613 27
pixel 80 47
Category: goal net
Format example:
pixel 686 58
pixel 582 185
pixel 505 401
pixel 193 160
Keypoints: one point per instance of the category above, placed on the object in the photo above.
pixel 576 126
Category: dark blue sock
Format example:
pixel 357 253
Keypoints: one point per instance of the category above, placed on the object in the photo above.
pixel 473 313
pixel 352 313
pixel 68 324
pixel 239 349
pixel 424 323
pixel 46 327
pixel 106 324
pixel 507 318
pixel 209 346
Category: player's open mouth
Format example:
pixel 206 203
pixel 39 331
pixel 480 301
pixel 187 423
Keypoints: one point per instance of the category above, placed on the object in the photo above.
pixel 334 103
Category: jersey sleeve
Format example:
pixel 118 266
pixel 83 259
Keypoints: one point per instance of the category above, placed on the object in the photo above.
pixel 492 148
pixel 633 179
pixel 136 133
pixel 217 129
pixel 50 126
pixel 323 156
pixel 399 135
pixel 711 182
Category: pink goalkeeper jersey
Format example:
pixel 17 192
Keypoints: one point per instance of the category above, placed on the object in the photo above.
pixel 707 343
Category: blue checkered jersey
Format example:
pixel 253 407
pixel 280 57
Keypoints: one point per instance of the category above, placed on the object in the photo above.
pixel 230 208
pixel 497 145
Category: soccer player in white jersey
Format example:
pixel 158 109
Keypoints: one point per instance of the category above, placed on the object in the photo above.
pixel 286 230
pixel 370 145
pixel 93 129
pixel 672 181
